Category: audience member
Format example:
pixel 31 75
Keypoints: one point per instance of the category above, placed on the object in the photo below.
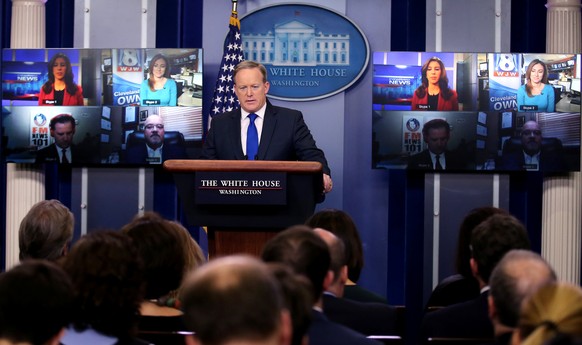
pixel 554 310
pixel 60 88
pixel 436 134
pixel 154 151
pixel 434 92
pixel 297 298
pixel 342 225
pixel 307 254
pixel 36 299
pixel 518 275
pixel 194 254
pixel 490 240
pixel 107 276
pixel 366 318
pixel 46 231
pixel 163 253
pixel 235 300
pixel 462 286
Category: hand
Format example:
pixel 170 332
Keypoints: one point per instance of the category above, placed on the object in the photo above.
pixel 327 183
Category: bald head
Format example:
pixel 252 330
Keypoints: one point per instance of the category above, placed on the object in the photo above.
pixel 519 274
pixel 154 131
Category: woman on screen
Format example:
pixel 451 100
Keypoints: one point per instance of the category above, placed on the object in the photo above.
pixel 536 94
pixel 60 89
pixel 434 92
pixel 159 88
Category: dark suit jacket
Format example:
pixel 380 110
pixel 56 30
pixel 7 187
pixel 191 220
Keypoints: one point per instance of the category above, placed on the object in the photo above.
pixel 358 293
pixel 325 332
pixel 548 161
pixel 422 161
pixel 462 320
pixel 366 318
pixel 78 156
pixel 453 289
pixel 285 137
pixel 138 154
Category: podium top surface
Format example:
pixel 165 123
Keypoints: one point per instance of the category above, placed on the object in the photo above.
pixel 192 165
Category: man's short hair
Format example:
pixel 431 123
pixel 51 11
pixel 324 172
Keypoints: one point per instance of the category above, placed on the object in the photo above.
pixel 35 302
pixel 337 252
pixel 248 64
pixel 516 276
pixel 232 298
pixel 493 238
pixel 45 230
pixel 435 124
pixel 304 251
pixel 62 118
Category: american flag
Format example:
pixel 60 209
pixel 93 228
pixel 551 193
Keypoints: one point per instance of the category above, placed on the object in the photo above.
pixel 224 98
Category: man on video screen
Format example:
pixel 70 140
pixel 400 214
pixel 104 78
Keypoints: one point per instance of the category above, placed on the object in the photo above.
pixel 63 150
pixel 436 134
pixel 533 155
pixel 154 151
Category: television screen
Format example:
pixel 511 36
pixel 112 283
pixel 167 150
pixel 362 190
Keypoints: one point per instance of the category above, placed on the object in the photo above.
pixel 477 110
pixel 96 77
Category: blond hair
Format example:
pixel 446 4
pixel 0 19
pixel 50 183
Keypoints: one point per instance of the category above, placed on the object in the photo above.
pixel 554 309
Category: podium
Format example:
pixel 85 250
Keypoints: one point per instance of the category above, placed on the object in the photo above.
pixel 244 203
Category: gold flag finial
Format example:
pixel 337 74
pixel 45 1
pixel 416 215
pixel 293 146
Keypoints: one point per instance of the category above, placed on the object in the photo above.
pixel 234 14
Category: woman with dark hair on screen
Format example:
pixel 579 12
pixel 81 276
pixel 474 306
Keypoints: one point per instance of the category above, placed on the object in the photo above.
pixel 159 88
pixel 536 94
pixel 60 89
pixel 434 92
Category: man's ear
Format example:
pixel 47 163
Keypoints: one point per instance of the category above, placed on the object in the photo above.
pixel 286 328
pixel 344 274
pixel 191 340
pixel 474 267
pixel 492 310
pixel 328 280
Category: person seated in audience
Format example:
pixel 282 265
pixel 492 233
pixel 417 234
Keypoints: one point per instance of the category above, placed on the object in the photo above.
pixel 462 286
pixel 194 254
pixel 307 254
pixel 518 275
pixel 367 318
pixel 490 241
pixel 235 300
pixel 342 225
pixel 36 299
pixel 162 248
pixel 108 280
pixel 552 311
pixel 46 231
pixel 297 299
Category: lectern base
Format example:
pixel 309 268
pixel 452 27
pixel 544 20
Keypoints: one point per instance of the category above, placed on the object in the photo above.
pixel 222 242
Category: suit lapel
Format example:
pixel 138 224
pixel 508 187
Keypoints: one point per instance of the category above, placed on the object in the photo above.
pixel 236 131
pixel 269 124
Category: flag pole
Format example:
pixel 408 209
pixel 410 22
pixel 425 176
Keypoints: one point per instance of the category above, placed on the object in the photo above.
pixel 234 14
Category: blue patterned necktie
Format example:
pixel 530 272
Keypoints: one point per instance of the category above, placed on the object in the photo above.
pixel 252 138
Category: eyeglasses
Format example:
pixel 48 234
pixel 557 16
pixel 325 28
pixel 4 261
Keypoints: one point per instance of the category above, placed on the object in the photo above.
pixel 158 126
pixel 529 132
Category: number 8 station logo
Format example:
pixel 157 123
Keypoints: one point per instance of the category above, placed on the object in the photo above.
pixel 129 60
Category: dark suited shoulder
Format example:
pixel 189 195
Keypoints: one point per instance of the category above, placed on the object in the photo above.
pixel 47 154
pixel 223 137
pixel 420 161
pixel 358 293
pixel 453 289
pixel 366 318
pixel 324 332
pixel 462 320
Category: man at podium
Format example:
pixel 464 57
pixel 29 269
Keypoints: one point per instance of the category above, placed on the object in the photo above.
pixel 259 130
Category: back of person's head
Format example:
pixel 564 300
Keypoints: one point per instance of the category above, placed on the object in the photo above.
pixel 343 226
pixel 35 303
pixel 519 274
pixel 336 252
pixel 194 254
pixel 46 231
pixel 552 310
pixel 162 250
pixel 493 238
pixel 302 250
pixel 234 298
pixel 475 217
pixel 297 298
pixel 107 275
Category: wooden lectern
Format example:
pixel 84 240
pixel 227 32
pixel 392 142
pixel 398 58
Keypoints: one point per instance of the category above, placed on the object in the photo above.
pixel 245 203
